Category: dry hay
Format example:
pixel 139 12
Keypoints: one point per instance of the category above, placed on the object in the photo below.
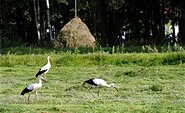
pixel 75 34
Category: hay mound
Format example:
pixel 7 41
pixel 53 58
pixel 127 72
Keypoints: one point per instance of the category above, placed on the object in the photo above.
pixel 75 34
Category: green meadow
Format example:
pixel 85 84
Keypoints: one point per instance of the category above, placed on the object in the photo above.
pixel 147 82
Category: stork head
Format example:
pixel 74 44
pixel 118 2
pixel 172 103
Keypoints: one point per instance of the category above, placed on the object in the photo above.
pixel 114 86
pixel 49 58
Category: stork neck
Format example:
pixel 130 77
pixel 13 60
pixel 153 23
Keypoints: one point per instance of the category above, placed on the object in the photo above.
pixel 48 61
pixel 108 85
pixel 40 81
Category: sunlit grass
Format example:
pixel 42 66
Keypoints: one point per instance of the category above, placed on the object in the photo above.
pixel 94 59
pixel 147 82
pixel 141 89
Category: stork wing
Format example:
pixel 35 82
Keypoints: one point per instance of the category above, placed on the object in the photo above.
pixel 25 90
pixel 40 72
pixel 100 82
pixel 91 81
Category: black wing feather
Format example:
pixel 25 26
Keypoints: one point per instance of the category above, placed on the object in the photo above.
pixel 40 72
pixel 26 90
pixel 90 81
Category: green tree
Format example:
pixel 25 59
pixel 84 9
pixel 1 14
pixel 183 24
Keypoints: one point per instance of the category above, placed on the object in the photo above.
pixel 144 21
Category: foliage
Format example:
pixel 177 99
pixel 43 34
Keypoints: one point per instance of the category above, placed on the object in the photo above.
pixel 165 48
pixel 142 21
pixel 63 1
pixel 150 49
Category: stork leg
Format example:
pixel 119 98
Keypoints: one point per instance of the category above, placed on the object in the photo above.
pixel 89 89
pixel 29 97
pixel 36 95
pixel 98 91
pixel 91 92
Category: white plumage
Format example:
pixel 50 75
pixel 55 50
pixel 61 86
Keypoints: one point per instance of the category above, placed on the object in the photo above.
pixel 99 83
pixel 45 68
pixel 33 88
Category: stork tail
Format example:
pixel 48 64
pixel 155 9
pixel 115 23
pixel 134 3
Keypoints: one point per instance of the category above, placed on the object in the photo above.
pixel 25 91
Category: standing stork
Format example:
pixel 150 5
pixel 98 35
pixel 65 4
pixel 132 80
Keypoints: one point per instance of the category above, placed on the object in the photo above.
pixel 95 82
pixel 33 88
pixel 44 69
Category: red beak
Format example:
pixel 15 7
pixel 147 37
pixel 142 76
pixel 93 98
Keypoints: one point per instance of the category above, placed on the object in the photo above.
pixel 116 89
pixel 44 80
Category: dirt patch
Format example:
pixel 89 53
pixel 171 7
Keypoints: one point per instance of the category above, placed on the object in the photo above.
pixel 75 34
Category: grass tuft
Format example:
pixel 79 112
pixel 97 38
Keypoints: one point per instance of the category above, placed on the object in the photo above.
pixel 155 88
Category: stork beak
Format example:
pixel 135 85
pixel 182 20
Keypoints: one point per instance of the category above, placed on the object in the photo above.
pixel 116 89
pixel 44 80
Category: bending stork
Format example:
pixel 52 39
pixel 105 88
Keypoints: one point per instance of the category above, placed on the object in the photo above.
pixel 33 88
pixel 95 82
pixel 44 69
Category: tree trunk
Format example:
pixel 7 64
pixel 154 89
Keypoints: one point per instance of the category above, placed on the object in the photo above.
pixel 103 21
pixel 163 21
pixel 113 30
pixel 173 24
pixel 147 27
pixel 181 32
pixel 75 8
pixel 48 20
pixel 182 24
pixel 173 31
pixel 43 20
pixel 156 22
pixel 37 21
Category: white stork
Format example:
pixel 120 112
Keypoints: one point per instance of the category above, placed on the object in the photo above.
pixel 95 82
pixel 33 88
pixel 44 69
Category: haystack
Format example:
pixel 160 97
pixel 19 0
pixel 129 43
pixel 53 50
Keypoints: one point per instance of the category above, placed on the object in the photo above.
pixel 75 34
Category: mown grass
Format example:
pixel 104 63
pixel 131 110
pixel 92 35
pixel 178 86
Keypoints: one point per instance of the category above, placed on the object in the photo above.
pixel 147 82
pixel 141 89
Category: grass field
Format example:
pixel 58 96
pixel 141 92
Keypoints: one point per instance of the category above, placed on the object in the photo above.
pixel 154 88
pixel 141 89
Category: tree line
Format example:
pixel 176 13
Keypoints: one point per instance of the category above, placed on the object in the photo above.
pixel 112 22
